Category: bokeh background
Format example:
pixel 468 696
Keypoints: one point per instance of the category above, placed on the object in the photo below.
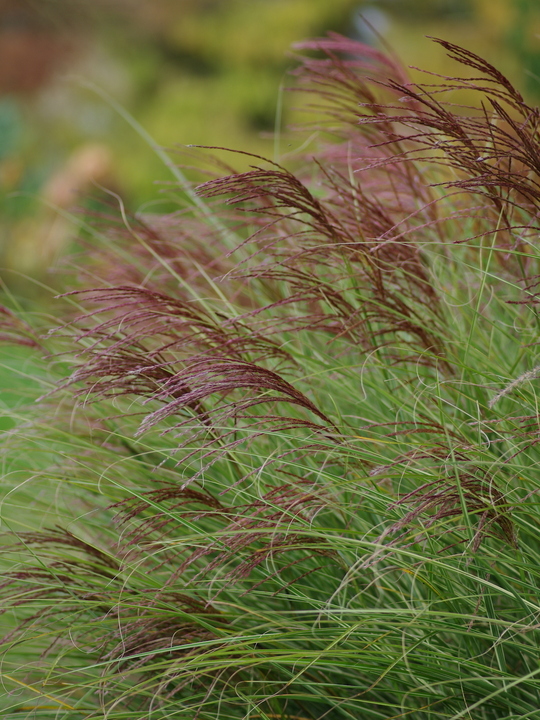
pixel 190 72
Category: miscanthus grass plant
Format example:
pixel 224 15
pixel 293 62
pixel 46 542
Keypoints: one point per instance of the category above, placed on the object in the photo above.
pixel 285 464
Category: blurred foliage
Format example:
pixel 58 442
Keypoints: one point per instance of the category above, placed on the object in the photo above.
pixel 191 72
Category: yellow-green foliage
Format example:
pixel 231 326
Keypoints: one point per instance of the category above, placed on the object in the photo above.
pixel 238 33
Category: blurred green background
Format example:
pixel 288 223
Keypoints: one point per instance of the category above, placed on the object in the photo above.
pixel 191 72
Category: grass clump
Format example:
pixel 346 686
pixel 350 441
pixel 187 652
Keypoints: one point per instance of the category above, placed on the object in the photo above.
pixel 289 469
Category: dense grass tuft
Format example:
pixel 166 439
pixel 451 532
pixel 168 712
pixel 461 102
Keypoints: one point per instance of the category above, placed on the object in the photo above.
pixel 285 459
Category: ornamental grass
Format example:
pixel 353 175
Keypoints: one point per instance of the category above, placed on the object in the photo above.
pixel 284 462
